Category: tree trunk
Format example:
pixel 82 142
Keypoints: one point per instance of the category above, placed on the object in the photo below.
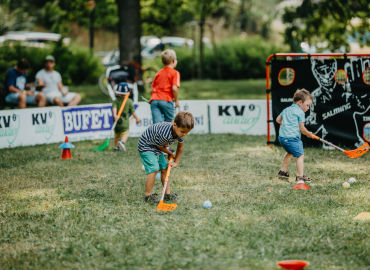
pixel 218 68
pixel 129 31
pixel 201 29
pixel 92 20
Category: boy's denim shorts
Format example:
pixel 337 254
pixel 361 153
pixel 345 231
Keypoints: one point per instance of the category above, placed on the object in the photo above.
pixel 162 111
pixel 13 98
pixel 292 146
pixel 152 162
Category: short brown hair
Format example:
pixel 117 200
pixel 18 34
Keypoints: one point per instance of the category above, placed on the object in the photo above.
pixel 184 119
pixel 301 94
pixel 168 56
pixel 23 64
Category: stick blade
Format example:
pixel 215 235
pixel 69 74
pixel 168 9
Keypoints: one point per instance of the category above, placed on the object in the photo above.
pixel 359 151
pixel 166 207
pixel 102 147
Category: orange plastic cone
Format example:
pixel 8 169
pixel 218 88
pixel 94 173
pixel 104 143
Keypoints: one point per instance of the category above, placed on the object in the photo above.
pixel 301 185
pixel 66 146
pixel 293 264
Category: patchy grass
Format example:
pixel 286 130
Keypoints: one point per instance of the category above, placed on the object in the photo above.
pixel 88 213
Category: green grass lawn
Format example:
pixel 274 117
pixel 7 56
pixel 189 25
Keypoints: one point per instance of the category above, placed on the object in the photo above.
pixel 197 89
pixel 89 213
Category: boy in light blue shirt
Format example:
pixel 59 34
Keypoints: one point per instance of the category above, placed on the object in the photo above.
pixel 292 121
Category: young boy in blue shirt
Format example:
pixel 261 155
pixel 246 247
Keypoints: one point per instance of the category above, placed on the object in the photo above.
pixel 152 145
pixel 292 121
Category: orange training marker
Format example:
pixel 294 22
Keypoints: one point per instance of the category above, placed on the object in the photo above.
pixel 293 264
pixel 301 185
pixel 66 146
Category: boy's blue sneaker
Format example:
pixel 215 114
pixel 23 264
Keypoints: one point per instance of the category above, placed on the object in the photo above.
pixel 116 148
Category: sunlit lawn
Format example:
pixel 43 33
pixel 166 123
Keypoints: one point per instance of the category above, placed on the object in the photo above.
pixel 89 213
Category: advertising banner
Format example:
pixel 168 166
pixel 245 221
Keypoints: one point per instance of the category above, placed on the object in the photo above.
pixel 87 122
pixel 199 109
pixel 340 112
pixel 238 116
pixel 95 121
pixel 30 127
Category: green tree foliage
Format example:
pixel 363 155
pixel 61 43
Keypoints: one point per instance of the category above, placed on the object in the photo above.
pixel 163 17
pixel 328 20
pixel 14 19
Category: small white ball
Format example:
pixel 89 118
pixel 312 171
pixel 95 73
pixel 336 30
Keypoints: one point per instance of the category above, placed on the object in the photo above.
pixel 143 168
pixel 352 180
pixel 346 185
pixel 207 205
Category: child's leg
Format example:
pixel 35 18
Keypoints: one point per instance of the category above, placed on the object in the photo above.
pixel 150 183
pixel 157 115
pixel 116 140
pixel 300 163
pixel 124 138
pixel 163 179
pixel 286 161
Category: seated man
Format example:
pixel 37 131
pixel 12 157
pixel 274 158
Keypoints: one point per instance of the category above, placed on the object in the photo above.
pixel 15 85
pixel 51 81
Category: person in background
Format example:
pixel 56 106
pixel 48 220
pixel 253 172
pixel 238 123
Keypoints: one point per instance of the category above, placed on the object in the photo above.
pixel 16 84
pixel 51 81
pixel 165 89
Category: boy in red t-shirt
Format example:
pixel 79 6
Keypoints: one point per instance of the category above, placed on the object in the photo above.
pixel 165 89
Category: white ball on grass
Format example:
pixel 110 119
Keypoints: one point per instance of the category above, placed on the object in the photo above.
pixel 207 205
pixel 143 168
pixel 346 185
pixel 352 180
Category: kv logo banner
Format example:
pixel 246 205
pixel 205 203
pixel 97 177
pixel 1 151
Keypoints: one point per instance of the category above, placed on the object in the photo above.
pixel 9 127
pixel 86 119
pixel 243 116
pixel 44 123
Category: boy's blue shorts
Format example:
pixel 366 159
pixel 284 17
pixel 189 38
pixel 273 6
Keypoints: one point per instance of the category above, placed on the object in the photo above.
pixel 293 146
pixel 162 111
pixel 152 162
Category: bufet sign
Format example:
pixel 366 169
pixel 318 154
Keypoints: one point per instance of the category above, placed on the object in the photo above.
pixel 30 127
pixel 87 122
pixel 238 116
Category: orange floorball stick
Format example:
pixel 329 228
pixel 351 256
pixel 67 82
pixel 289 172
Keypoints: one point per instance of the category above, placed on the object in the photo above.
pixel 351 154
pixel 164 206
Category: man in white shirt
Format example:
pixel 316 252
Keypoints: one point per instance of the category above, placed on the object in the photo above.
pixel 53 86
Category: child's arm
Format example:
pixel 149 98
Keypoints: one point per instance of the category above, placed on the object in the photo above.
pixel 115 117
pixel 178 155
pixel 151 91
pixel 169 153
pixel 279 119
pixel 175 92
pixel 304 130
pixel 138 121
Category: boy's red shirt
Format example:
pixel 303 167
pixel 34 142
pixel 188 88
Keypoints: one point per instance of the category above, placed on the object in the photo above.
pixel 163 82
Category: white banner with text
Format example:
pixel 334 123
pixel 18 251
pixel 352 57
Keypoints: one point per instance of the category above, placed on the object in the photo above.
pixel 30 127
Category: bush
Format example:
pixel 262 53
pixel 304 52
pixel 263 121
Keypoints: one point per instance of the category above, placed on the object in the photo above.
pixel 75 65
pixel 238 59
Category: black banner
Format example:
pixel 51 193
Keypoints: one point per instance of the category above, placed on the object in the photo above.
pixel 340 112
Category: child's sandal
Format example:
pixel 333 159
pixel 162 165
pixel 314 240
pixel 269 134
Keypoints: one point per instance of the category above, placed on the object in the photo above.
pixel 282 174
pixel 304 178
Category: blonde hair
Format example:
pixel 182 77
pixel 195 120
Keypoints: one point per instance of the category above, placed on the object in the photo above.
pixel 168 56
pixel 184 119
pixel 301 94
